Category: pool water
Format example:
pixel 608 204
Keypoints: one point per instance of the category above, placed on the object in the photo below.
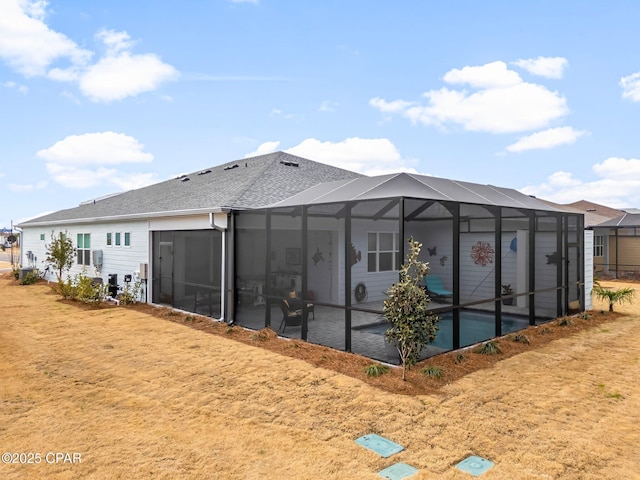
pixel 475 326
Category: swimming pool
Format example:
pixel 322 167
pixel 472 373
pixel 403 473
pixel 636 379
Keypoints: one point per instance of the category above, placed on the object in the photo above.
pixel 475 326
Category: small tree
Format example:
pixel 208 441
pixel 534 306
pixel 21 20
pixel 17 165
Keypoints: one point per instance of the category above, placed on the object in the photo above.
pixel 621 295
pixel 412 326
pixel 60 253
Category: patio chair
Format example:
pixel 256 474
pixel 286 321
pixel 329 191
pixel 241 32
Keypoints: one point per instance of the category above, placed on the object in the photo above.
pixel 435 288
pixel 290 318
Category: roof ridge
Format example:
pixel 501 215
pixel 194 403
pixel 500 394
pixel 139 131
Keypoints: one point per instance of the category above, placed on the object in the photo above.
pixel 257 177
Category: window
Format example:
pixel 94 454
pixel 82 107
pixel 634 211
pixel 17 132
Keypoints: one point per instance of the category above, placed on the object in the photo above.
pixel 382 252
pixel 127 239
pixel 42 236
pixel 84 249
pixel 598 245
pixel 117 239
pixel 109 242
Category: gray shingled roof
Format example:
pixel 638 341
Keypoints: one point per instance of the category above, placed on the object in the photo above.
pixel 247 183
pixel 594 213
pixel 628 220
pixel 416 186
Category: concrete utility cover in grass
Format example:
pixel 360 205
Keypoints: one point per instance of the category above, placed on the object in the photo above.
pixel 476 466
pixel 398 471
pixel 379 444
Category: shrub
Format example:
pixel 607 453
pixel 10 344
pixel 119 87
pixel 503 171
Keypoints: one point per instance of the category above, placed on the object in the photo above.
pixel 433 371
pixel 621 295
pixel 520 338
pixel 60 252
pixel 488 348
pixel 16 271
pixel 460 358
pixel 87 291
pixel 29 278
pixel 407 309
pixel 565 322
pixel 81 288
pixel 376 369
pixel 130 293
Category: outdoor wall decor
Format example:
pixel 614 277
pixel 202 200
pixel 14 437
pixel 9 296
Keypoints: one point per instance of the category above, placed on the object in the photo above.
pixel 432 251
pixel 482 253
pixel 292 256
pixel 317 257
pixel 443 260
pixel 553 258
pixel 355 256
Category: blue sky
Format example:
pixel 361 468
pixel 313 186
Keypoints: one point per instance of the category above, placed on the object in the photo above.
pixel 104 96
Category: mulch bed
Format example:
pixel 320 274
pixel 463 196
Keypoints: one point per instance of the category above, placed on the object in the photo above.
pixel 454 364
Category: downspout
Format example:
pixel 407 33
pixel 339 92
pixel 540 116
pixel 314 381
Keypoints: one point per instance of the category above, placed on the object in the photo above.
pixel 219 220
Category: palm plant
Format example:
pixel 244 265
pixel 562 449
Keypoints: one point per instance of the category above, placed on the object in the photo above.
pixel 621 295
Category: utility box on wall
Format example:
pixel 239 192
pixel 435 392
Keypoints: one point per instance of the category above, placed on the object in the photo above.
pixel 97 258
pixel 144 271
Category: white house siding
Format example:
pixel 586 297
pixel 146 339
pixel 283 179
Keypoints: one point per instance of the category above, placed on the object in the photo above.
pixel 119 260
pixel 588 269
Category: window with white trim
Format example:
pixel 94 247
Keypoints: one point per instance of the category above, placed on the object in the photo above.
pixel 598 245
pixel 117 239
pixel 109 239
pixel 382 251
pixel 84 249
pixel 127 239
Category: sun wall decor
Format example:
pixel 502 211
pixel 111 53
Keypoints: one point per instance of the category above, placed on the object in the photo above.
pixel 482 253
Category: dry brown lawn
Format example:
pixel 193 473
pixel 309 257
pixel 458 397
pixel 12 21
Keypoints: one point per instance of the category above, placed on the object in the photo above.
pixel 149 394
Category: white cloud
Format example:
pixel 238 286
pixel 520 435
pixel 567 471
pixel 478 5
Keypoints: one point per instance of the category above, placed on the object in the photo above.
pixel 550 138
pixel 328 106
pixel 491 75
pixel 631 87
pixel 115 42
pixel 19 188
pixel 23 89
pixel 618 185
pixel 28 45
pixel 395 106
pixel 370 156
pixel 70 161
pixel 549 67
pixel 124 75
pixel 503 103
pixel 263 149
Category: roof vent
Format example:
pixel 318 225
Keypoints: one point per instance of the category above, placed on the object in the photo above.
pixel 288 163
pixel 231 167
pixel 185 179
pixel 204 172
pixel 591 209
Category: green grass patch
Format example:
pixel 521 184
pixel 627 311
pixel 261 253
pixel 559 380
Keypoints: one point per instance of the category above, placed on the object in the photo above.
pixel 376 370
pixel 565 322
pixel 488 348
pixel 520 338
pixel 433 371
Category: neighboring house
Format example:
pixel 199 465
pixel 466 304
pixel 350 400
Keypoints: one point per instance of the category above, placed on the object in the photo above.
pixel 231 242
pixel 617 246
pixel 594 215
